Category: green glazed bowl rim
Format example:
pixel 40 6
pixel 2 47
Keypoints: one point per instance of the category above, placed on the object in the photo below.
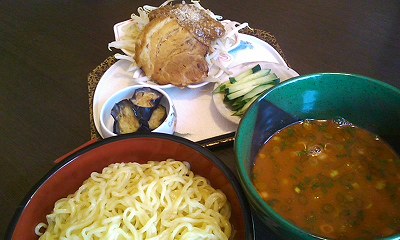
pixel 246 179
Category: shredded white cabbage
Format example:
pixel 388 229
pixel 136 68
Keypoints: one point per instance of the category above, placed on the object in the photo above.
pixel 218 57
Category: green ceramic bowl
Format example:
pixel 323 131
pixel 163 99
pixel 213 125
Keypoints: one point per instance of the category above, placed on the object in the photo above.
pixel 367 103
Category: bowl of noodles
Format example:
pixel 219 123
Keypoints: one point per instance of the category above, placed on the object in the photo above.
pixel 152 186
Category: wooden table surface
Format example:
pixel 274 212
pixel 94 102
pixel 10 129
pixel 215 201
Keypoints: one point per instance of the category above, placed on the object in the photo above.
pixel 47 49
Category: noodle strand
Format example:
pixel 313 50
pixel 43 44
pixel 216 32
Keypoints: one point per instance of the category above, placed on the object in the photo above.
pixel 156 200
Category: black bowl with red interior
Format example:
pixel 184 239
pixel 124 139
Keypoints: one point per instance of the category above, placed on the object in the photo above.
pixel 67 176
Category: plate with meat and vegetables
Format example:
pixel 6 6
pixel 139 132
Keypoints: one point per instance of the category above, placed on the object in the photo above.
pixel 245 84
pixel 166 47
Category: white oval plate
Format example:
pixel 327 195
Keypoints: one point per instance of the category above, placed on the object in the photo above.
pixel 191 104
pixel 282 71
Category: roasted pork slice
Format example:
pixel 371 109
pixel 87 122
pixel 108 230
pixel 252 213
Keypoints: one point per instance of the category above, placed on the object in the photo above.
pixel 197 21
pixel 169 54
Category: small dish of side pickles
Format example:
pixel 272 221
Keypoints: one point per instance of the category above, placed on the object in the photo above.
pixel 138 109
pixel 245 84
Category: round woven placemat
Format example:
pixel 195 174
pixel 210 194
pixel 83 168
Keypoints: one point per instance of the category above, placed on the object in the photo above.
pixel 95 75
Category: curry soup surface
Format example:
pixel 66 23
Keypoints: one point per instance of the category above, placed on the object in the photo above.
pixel 334 180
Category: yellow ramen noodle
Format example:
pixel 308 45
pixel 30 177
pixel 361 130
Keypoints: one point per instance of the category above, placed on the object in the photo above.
pixel 157 200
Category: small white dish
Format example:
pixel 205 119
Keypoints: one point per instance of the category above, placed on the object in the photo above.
pixel 282 71
pixel 107 121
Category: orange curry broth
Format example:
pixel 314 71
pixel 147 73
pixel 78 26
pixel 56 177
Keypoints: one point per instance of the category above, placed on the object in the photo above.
pixel 336 181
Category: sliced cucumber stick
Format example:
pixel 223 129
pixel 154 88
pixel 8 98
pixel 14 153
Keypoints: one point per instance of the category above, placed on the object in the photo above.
pixel 241 111
pixel 241 91
pixel 255 82
pixel 257 91
pixel 248 72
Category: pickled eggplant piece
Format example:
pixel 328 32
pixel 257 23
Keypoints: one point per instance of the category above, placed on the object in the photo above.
pixel 158 117
pixel 125 118
pixel 146 100
pixel 141 113
pixel 146 97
